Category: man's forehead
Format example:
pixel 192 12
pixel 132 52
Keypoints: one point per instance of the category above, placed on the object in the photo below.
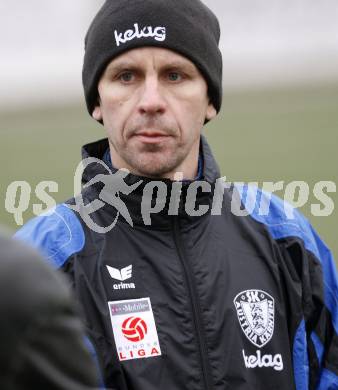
pixel 161 56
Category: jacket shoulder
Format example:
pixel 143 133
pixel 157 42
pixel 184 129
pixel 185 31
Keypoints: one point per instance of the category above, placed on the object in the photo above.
pixel 281 219
pixel 57 234
pixel 282 222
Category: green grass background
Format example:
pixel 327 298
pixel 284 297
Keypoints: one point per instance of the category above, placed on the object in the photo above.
pixel 266 135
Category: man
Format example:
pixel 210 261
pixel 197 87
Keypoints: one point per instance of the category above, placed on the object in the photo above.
pixel 42 340
pixel 178 291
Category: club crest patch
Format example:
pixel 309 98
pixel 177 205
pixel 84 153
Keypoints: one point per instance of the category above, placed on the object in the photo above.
pixel 256 315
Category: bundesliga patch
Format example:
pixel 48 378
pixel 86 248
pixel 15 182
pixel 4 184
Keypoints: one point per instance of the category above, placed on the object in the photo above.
pixel 134 329
pixel 256 312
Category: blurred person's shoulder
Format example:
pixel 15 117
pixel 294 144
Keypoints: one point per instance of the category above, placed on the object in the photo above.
pixel 39 323
pixel 26 280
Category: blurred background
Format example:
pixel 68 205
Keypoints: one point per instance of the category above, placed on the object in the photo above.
pixel 279 120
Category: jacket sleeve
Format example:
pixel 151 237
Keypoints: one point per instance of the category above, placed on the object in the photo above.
pixel 319 303
pixel 310 287
pixel 308 270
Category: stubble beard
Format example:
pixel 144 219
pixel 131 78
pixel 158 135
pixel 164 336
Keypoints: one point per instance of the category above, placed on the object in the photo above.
pixel 152 160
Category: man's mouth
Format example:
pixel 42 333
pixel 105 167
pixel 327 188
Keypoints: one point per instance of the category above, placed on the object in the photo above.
pixel 151 136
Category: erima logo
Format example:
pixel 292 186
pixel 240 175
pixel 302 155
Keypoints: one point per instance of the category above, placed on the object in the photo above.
pixel 121 275
pixel 158 33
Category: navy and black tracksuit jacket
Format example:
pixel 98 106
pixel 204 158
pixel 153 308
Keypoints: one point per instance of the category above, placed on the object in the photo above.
pixel 239 302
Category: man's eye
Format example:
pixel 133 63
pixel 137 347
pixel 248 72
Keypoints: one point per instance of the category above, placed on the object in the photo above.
pixel 174 76
pixel 126 77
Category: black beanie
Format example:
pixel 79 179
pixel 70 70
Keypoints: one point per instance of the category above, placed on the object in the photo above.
pixel 186 26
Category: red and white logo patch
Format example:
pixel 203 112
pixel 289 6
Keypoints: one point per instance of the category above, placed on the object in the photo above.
pixel 134 329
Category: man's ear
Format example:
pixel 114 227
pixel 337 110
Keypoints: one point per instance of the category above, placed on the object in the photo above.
pixel 97 114
pixel 211 112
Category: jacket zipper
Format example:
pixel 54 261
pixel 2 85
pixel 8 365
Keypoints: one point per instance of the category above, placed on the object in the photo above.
pixel 196 310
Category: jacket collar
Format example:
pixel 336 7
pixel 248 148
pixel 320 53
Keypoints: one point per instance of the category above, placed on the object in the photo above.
pixel 210 173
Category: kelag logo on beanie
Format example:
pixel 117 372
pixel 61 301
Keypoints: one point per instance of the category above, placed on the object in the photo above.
pixel 158 33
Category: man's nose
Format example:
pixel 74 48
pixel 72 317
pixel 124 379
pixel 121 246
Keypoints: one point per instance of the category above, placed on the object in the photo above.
pixel 152 100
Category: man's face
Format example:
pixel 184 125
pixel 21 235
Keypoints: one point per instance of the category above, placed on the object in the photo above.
pixel 153 103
